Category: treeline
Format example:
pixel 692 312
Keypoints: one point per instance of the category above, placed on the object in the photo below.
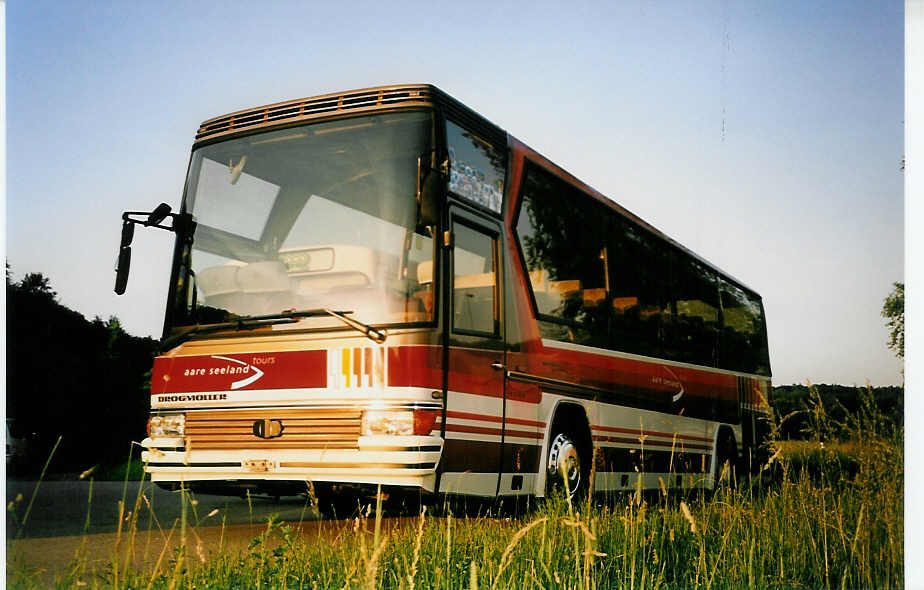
pixel 85 381
pixel 838 401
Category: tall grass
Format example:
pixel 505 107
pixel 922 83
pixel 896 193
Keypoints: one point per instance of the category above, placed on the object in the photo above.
pixel 826 513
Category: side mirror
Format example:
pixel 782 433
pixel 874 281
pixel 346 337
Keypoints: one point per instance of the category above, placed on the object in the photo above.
pixel 159 214
pixel 183 225
pixel 125 257
pixel 429 199
pixel 128 233
pixel 124 264
pixel 428 190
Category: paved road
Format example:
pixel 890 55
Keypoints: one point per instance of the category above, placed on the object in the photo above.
pixel 56 532
pixel 61 508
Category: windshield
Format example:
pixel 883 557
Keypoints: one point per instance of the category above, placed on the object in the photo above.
pixel 318 216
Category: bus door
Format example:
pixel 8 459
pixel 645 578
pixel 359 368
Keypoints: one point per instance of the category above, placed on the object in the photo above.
pixel 474 409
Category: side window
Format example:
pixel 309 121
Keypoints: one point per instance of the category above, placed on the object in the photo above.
pixel 474 291
pixel 691 336
pixel 743 346
pixel 562 234
pixel 638 270
pixel 476 168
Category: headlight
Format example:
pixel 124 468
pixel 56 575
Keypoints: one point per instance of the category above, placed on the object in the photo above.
pixel 167 425
pixel 398 422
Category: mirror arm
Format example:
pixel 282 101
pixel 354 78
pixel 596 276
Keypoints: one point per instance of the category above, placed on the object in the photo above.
pixel 127 217
pixel 182 222
pixel 183 225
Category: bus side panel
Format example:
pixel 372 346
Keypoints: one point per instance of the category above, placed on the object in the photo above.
pixel 474 417
pixel 652 422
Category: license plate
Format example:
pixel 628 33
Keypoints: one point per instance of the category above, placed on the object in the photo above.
pixel 257 466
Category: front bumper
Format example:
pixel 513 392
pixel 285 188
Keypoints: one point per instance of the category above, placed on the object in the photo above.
pixel 404 461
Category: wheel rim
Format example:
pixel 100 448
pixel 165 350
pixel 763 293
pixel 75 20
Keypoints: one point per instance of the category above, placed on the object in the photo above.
pixel 564 466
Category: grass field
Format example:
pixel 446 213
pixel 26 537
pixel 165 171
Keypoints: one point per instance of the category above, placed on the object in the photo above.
pixel 826 513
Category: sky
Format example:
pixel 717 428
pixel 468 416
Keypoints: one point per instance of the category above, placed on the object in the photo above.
pixel 766 137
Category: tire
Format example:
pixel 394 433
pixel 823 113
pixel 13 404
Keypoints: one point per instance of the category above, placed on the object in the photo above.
pixel 725 453
pixel 568 466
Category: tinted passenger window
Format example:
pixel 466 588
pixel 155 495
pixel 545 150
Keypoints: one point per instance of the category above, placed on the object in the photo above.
pixel 562 234
pixel 693 327
pixel 638 270
pixel 602 280
pixel 743 345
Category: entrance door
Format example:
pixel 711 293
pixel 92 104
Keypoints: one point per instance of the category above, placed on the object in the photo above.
pixel 475 384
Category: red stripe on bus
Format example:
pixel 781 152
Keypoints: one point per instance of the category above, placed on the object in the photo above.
pixel 491 431
pixel 421 366
pixel 649 379
pixel 651 432
pixel 524 422
pixel 654 443
pixel 470 372
pixel 473 429
pixel 415 366
pixel 472 416
pixel 492 418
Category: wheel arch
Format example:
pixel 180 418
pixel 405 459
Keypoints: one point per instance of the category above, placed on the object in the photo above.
pixel 723 433
pixel 570 416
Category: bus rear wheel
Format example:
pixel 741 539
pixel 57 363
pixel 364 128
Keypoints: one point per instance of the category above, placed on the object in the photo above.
pixel 566 468
pixel 725 471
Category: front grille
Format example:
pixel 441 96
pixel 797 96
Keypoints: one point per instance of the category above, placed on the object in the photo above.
pixel 305 108
pixel 301 429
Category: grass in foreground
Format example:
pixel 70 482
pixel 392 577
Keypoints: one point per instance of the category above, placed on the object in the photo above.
pixel 829 517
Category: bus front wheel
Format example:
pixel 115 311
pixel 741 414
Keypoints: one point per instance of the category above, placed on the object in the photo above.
pixel 567 469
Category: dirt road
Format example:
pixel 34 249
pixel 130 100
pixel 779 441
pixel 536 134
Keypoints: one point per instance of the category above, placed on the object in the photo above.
pixel 65 508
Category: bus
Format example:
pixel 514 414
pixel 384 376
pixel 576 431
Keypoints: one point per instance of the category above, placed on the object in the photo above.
pixel 381 287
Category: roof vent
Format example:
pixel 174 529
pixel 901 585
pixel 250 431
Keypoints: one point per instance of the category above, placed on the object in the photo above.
pixel 307 108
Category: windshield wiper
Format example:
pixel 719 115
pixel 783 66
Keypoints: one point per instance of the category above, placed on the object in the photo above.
pixel 377 336
pixel 285 317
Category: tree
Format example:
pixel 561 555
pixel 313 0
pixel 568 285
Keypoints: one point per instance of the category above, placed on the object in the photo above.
pixel 66 376
pixel 36 282
pixel 893 309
